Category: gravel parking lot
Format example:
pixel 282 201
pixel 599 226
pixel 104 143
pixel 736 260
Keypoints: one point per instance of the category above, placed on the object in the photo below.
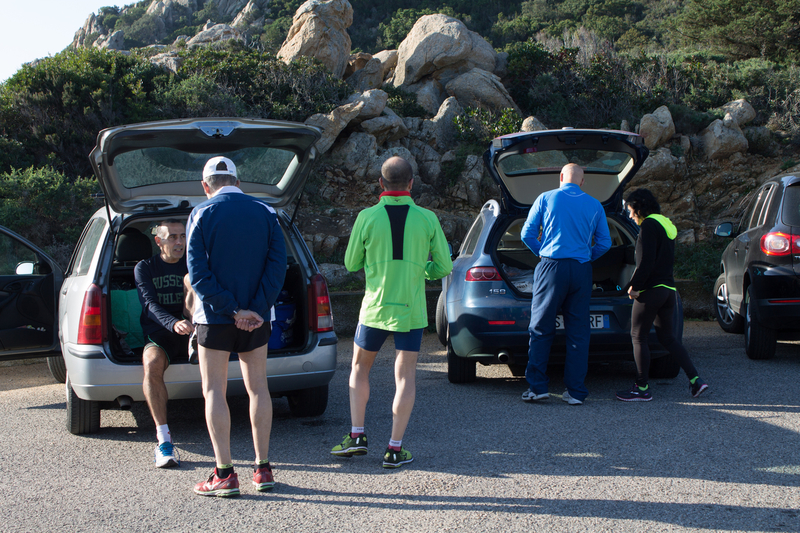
pixel 484 460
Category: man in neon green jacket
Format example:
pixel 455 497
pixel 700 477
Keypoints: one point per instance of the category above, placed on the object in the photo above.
pixel 392 241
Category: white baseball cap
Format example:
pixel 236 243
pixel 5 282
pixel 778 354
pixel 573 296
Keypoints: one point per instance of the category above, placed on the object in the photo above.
pixel 219 165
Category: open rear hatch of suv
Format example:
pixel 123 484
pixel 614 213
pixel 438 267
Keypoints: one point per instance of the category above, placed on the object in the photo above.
pixel 529 163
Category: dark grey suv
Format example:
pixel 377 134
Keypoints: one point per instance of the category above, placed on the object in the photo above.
pixel 758 288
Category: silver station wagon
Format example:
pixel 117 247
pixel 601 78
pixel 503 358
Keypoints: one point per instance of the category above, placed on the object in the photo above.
pixel 150 172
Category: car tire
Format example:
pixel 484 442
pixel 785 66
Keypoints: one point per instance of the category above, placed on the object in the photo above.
pixel 441 320
pixel 83 416
pixel 759 342
pixel 57 367
pixel 728 319
pixel 459 369
pixel 664 367
pixel 308 402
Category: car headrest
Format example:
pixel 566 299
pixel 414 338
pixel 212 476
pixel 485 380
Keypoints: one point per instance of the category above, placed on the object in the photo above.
pixel 132 245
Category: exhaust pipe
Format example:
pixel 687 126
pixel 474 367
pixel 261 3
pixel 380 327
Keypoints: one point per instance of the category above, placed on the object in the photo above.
pixel 124 403
pixel 504 357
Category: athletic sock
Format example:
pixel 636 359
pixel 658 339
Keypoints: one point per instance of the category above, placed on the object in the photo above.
pixel 395 445
pixel 262 462
pixel 356 431
pixel 694 379
pixel 163 435
pixel 224 471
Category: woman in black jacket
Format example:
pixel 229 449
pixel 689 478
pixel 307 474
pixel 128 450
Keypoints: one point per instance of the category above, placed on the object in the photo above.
pixel 652 289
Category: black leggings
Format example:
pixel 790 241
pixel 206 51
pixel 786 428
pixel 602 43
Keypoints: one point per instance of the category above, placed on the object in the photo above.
pixel 656 306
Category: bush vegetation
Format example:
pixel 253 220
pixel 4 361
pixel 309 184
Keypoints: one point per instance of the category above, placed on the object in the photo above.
pixel 582 63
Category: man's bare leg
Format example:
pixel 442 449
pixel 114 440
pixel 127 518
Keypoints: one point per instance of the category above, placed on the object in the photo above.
pixel 214 371
pixel 188 298
pixel 254 373
pixel 359 384
pixel 405 377
pixel 154 362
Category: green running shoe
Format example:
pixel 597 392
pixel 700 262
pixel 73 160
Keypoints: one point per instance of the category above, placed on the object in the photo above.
pixel 394 459
pixel 351 446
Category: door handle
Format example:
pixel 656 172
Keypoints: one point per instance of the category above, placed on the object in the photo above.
pixel 15 286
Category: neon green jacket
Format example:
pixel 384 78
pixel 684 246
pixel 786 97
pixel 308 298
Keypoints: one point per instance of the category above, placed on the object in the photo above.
pixel 391 241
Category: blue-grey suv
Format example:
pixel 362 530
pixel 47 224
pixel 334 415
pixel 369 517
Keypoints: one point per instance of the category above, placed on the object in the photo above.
pixel 484 309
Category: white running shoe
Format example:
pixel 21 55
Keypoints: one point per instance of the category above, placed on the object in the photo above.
pixel 166 456
pixel 530 396
pixel 570 400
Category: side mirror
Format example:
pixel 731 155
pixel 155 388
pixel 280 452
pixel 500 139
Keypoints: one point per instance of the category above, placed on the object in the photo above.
pixel 453 254
pixel 24 268
pixel 724 230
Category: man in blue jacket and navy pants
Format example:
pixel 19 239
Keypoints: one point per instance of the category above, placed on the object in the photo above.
pixel 568 220
pixel 237 263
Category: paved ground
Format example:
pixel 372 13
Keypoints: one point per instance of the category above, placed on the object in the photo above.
pixel 484 460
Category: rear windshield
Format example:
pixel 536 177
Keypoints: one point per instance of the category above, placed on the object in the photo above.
pixel 149 166
pixel 592 161
pixel 791 206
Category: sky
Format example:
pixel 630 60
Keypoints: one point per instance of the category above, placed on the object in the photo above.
pixel 34 29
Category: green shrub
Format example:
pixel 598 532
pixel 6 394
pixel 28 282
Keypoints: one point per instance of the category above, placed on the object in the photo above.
pixel 479 126
pixel 700 262
pixel 47 208
pixel 404 103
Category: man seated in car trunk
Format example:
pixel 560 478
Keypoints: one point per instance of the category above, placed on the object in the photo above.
pixel 162 281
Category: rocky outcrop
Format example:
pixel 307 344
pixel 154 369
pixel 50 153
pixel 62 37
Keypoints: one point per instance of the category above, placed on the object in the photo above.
pixel 479 88
pixel 657 128
pixel 86 35
pixel 214 34
pixel 741 111
pixel 723 138
pixel 532 124
pixel 170 10
pixel 113 41
pixel 333 123
pixel 440 47
pixel 319 30
pixel 166 16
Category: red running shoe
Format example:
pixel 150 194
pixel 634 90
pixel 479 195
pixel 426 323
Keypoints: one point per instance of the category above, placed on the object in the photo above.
pixel 262 477
pixel 214 486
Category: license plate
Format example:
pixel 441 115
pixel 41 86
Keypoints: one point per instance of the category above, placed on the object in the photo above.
pixel 596 321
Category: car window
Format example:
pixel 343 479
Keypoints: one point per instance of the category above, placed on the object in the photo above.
pixel 471 240
pixel 769 193
pixel 85 251
pixel 790 214
pixel 755 215
pixel 12 253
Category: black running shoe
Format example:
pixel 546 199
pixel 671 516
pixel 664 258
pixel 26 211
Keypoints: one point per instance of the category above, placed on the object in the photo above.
pixel 635 394
pixel 698 387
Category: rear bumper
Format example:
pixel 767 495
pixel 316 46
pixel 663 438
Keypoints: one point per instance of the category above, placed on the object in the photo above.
pixel 776 293
pixel 99 379
pixel 473 335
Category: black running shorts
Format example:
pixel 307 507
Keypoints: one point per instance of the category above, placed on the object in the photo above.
pixel 229 338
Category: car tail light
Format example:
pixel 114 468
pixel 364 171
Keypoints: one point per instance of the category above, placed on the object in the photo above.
pixel 483 274
pixel 91 324
pixel 777 243
pixel 320 317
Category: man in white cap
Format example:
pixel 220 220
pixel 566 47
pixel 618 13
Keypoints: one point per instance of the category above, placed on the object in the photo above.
pixel 236 279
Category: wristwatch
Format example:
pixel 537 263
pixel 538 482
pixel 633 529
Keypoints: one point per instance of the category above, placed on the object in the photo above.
pixel 236 311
